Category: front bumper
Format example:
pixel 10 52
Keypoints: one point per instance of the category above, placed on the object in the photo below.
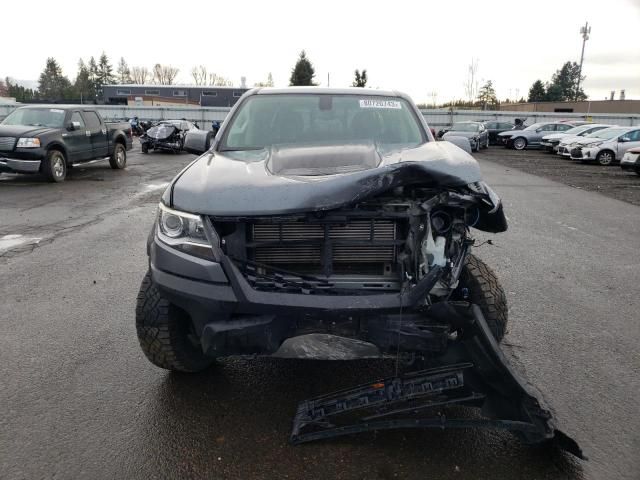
pixel 630 162
pixel 16 165
pixel 232 318
pixel 504 140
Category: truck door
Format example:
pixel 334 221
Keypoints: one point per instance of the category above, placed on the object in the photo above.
pixel 98 131
pixel 78 141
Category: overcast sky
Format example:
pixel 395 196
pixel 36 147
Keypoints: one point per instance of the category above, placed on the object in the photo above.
pixel 418 47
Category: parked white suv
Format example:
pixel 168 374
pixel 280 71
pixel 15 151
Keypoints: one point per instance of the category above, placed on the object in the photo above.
pixel 609 147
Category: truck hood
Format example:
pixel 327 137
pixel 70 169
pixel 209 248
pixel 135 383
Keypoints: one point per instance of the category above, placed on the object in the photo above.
pixel 283 180
pixel 23 130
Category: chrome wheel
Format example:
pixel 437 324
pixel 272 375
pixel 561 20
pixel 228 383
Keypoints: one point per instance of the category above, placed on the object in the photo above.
pixel 58 167
pixel 120 157
pixel 519 143
pixel 605 158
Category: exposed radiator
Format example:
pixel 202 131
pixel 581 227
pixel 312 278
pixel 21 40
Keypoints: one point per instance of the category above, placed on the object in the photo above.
pixel 358 241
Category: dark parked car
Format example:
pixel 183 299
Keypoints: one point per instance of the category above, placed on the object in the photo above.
pixel 494 127
pixel 49 140
pixel 475 132
pixel 166 135
pixel 330 217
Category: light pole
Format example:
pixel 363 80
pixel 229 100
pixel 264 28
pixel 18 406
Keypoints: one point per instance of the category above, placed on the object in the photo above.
pixel 584 31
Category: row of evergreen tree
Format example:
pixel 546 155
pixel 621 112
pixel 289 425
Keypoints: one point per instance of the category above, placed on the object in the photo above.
pixel 563 87
pixel 53 85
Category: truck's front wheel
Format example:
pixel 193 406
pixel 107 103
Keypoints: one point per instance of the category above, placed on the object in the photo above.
pixel 165 332
pixel 54 166
pixel 118 159
pixel 484 289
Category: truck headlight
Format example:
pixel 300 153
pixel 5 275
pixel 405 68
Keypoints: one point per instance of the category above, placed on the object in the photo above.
pixel 183 231
pixel 28 143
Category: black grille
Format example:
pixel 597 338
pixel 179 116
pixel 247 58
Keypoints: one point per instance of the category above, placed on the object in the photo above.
pixel 367 246
pixel 7 143
pixel 576 152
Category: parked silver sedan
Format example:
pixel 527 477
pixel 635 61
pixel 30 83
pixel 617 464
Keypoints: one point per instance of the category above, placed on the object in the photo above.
pixel 476 132
pixel 532 135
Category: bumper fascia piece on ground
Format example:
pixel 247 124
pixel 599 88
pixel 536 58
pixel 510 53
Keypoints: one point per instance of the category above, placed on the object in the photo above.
pixel 474 372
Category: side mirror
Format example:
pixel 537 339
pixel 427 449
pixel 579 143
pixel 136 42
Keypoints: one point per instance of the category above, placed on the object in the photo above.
pixel 197 141
pixel 624 139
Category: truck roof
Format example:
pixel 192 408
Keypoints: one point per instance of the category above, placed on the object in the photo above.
pixel 330 91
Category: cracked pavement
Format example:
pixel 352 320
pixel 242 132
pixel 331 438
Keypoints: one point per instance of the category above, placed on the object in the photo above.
pixel 79 400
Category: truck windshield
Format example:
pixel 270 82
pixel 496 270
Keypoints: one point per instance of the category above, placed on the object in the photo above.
pixel 37 117
pixel 321 119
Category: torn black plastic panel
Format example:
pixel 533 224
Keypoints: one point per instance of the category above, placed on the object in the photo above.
pixel 473 373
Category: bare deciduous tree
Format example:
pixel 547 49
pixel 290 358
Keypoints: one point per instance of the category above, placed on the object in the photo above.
pixel 268 83
pixel 200 75
pixel 164 74
pixel 140 75
pixel 471 84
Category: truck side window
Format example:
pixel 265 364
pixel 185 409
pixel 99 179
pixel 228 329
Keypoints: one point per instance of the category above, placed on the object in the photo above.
pixel 93 122
pixel 76 117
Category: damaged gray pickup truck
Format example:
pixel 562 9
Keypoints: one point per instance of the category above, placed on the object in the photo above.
pixel 328 223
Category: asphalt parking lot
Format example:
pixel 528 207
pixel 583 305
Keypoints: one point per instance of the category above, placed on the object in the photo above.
pixel 79 400
pixel 611 181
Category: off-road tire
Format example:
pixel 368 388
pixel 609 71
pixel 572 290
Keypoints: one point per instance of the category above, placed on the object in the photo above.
pixel 486 292
pixel 165 332
pixel 118 159
pixel 54 166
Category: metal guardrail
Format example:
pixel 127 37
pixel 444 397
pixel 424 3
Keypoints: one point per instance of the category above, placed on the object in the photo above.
pixel 434 117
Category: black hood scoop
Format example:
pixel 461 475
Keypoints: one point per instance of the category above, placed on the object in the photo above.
pixel 317 160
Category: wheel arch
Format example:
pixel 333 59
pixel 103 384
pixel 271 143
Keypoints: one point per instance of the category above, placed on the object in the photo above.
pixel 607 149
pixel 60 147
pixel 120 138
